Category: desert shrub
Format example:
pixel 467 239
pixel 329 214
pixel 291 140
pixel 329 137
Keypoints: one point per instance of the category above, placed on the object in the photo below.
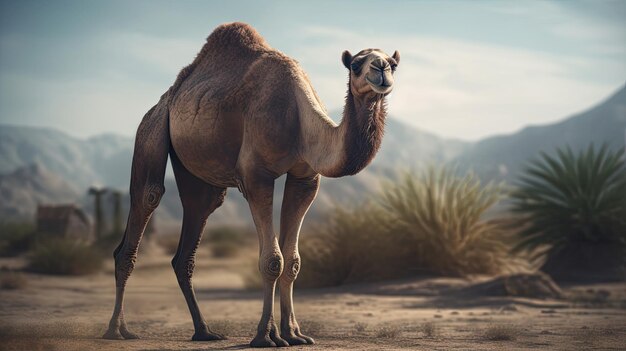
pixel 438 217
pixel 347 247
pixel 169 243
pixel 429 223
pixel 108 242
pixel 389 332
pixel 16 237
pixel 252 279
pixel 64 257
pixel 429 329
pixel 574 206
pixel 11 280
pixel 226 241
pixel 224 249
pixel 500 332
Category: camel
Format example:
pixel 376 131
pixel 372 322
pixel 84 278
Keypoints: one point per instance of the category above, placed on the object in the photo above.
pixel 241 115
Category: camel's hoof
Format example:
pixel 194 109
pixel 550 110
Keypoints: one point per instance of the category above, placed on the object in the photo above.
pixel 271 340
pixel 297 338
pixel 309 340
pixel 294 340
pixel 113 334
pixel 263 341
pixel 120 333
pixel 206 335
pixel 127 334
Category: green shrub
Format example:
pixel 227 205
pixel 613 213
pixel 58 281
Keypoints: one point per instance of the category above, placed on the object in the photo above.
pixel 16 237
pixel 64 257
pixel 573 207
pixel 226 241
pixel 430 223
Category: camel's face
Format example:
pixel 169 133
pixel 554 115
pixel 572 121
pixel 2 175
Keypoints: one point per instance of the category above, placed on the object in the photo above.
pixel 371 71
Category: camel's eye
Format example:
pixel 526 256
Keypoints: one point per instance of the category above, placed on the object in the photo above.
pixel 356 66
pixel 393 67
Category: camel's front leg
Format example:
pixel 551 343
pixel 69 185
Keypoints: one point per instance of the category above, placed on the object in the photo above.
pixel 299 194
pixel 259 191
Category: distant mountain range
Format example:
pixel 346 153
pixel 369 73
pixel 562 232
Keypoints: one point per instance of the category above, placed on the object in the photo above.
pixel 43 165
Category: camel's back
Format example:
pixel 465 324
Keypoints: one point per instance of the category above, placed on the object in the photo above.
pixel 205 109
pixel 221 64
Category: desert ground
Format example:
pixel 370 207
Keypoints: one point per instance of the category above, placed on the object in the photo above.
pixel 71 313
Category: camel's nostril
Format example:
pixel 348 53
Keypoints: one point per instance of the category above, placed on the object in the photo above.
pixel 380 65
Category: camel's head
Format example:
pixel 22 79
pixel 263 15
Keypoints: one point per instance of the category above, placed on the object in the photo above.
pixel 371 71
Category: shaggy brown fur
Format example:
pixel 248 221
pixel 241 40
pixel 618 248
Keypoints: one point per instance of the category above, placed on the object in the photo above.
pixel 240 115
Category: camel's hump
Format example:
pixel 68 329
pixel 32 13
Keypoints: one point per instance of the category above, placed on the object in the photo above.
pixel 237 34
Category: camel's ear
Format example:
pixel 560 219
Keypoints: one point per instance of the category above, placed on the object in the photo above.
pixel 346 58
pixel 396 56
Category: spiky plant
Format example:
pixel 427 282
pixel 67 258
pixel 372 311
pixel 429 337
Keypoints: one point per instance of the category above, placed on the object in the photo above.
pixel 440 216
pixel 574 206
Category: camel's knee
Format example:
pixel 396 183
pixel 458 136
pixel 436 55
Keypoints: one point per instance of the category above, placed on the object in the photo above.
pixel 271 265
pixel 292 268
pixel 152 196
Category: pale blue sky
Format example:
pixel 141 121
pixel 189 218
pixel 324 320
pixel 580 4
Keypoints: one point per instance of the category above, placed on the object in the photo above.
pixel 468 70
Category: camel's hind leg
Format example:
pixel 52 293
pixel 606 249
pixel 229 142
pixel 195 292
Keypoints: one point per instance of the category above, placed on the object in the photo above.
pixel 152 144
pixel 199 200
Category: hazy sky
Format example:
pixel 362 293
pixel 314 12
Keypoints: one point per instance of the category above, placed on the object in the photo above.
pixel 468 69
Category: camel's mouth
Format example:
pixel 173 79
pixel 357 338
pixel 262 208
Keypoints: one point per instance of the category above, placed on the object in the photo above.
pixel 379 88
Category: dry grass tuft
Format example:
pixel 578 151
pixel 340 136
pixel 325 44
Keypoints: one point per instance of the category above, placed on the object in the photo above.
pixel 227 241
pixel 389 332
pixel 12 280
pixel 429 329
pixel 360 327
pixel 500 332
pixel 64 257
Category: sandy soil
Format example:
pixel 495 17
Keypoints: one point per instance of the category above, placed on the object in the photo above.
pixel 61 313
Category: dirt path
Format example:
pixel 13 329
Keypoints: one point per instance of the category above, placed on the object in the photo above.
pixel 61 313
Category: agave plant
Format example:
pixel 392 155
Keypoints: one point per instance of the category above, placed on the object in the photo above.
pixel 574 207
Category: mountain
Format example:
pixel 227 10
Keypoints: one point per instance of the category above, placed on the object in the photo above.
pixel 502 157
pixel 22 190
pixel 104 159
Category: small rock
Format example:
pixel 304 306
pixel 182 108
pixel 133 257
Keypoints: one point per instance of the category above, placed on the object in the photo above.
pixel 454 313
pixel 438 316
pixel 550 311
pixel 508 308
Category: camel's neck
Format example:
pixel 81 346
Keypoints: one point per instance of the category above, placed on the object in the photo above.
pixel 336 151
